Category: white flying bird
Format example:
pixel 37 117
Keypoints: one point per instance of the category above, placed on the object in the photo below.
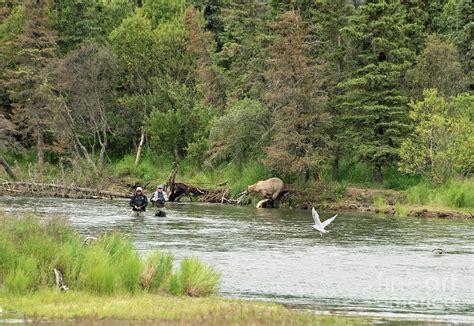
pixel 317 222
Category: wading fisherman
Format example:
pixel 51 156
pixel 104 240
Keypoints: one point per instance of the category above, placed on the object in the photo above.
pixel 158 199
pixel 138 201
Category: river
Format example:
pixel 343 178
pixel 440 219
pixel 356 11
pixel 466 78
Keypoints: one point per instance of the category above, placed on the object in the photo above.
pixel 367 264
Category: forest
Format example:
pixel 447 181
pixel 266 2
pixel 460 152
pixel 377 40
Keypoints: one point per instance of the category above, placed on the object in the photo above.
pixel 379 93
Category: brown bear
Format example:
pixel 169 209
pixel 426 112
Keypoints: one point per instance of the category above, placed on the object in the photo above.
pixel 268 188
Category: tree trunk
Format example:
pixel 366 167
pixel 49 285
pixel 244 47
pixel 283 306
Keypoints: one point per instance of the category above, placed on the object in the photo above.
pixel 140 146
pixel 40 151
pixel 176 154
pixel 103 148
pixel 102 158
pixel 378 173
pixel 7 167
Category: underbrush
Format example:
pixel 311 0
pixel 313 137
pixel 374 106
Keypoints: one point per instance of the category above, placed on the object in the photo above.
pixel 32 248
pixel 360 173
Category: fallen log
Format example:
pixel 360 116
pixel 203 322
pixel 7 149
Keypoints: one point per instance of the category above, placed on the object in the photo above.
pixel 55 190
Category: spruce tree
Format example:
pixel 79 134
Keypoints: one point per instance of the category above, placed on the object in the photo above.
pixel 328 18
pixel 296 100
pixel 25 83
pixel 210 81
pixel 87 20
pixel 457 25
pixel 245 48
pixel 374 106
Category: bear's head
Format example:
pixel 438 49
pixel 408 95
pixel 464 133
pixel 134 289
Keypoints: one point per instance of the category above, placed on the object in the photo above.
pixel 251 188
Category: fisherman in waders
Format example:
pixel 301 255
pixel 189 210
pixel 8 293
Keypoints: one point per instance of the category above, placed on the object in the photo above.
pixel 158 199
pixel 139 202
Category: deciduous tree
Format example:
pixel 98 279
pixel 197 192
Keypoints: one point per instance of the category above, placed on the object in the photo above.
pixel 437 67
pixel 442 143
pixel 86 80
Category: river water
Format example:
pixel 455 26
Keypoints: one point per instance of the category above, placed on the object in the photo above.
pixel 367 264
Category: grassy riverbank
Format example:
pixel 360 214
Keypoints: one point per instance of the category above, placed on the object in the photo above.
pixel 33 250
pixel 52 304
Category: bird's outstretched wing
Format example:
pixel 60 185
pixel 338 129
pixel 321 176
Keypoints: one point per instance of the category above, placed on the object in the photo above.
pixel 329 220
pixel 315 214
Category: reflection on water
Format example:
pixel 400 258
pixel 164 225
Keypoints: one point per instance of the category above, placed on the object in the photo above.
pixel 370 264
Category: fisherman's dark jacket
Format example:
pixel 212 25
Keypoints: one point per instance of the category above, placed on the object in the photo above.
pixel 139 200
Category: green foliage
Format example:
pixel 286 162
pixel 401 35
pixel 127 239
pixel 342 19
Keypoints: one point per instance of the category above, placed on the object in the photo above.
pixel 160 11
pixel 240 133
pixel 161 263
pixel 442 142
pixel 437 67
pixel 31 248
pixel 96 275
pixel 87 20
pixel 375 114
pixel 296 99
pixel 174 130
pixel 195 279
pixel 245 38
pixel 24 278
pixel 457 19
pixel 133 41
pixel 17 282
pixel 124 259
pixel 453 194
pixel 11 28
pixel 400 210
pixel 380 202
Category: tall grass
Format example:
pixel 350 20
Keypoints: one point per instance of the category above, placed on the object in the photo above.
pixel 195 279
pixel 30 248
pixel 158 271
pixel 360 173
pixel 454 194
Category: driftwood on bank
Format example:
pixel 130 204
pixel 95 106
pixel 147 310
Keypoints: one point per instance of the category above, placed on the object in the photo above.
pixel 177 190
pixel 60 280
pixel 56 190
